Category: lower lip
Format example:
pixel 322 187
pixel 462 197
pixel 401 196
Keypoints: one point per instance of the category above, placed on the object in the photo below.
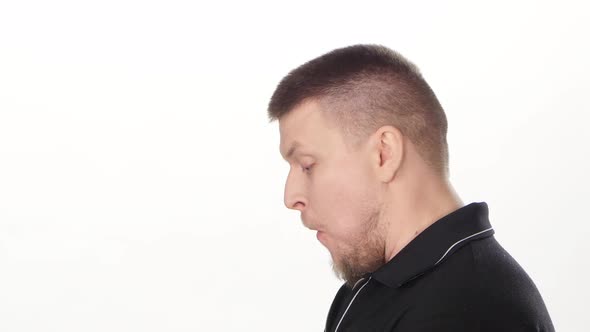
pixel 320 236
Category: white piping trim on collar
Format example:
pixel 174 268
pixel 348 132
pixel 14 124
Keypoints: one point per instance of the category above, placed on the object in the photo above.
pixel 349 304
pixel 456 243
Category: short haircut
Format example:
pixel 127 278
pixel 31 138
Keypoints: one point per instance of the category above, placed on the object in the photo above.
pixel 365 87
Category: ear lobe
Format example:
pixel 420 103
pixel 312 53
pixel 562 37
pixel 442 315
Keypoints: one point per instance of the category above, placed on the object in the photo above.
pixel 391 150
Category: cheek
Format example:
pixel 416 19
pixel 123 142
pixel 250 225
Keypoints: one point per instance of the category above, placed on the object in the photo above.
pixel 343 200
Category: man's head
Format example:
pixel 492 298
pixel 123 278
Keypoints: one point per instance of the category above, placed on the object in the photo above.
pixel 349 121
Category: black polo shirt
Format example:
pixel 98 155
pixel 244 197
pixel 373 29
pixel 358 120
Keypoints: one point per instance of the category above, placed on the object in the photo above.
pixel 453 276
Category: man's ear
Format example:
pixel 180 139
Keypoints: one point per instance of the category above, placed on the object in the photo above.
pixel 388 150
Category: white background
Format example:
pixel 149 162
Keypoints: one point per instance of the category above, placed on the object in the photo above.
pixel 141 184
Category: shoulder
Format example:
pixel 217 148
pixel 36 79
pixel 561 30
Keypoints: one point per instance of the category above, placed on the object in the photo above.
pixel 480 287
pixel 504 286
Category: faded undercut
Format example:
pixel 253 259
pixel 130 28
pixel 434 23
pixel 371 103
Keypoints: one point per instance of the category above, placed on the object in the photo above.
pixel 365 87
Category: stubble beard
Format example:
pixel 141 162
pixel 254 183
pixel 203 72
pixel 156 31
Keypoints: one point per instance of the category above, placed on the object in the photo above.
pixel 365 255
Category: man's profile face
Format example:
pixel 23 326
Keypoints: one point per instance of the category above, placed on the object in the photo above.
pixel 334 188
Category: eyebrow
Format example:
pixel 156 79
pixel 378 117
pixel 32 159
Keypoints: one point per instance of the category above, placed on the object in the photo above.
pixel 292 150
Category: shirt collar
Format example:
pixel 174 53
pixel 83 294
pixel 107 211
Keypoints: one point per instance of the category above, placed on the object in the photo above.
pixel 436 243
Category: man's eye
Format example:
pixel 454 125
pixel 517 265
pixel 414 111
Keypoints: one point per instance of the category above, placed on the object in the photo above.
pixel 307 169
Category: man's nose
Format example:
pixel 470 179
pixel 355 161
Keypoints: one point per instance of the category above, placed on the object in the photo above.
pixel 294 198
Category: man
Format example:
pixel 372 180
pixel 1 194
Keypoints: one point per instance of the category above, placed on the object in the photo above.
pixel 365 137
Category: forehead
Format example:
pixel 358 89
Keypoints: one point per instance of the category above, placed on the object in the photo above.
pixel 301 119
pixel 305 127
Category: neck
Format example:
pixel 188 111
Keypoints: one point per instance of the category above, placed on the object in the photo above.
pixel 412 211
